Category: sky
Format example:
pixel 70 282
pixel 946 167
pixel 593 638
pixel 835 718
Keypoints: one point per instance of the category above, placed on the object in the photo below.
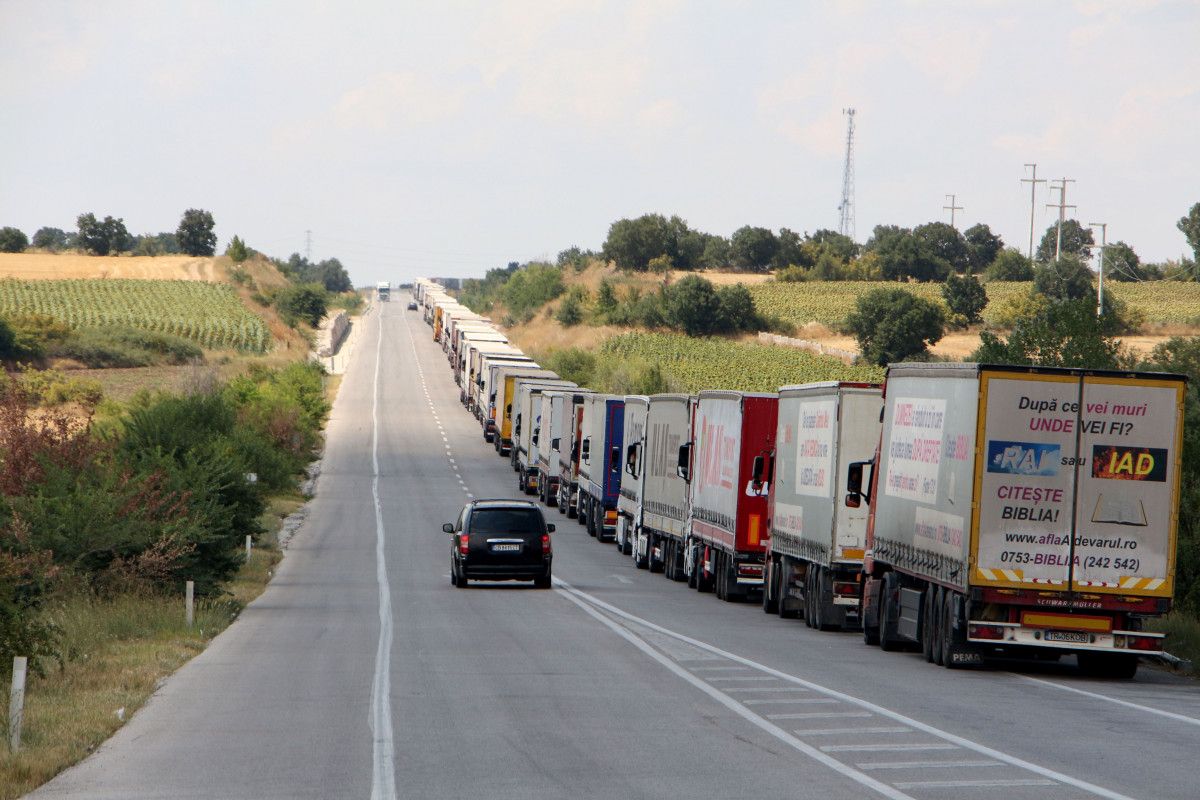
pixel 447 138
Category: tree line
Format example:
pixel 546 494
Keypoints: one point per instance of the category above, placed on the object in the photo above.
pixel 194 236
pixel 929 252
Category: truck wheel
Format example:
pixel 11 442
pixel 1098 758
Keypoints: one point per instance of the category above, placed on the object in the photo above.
pixel 929 622
pixel 1115 666
pixel 889 641
pixel 809 613
pixel 591 518
pixel 770 590
pixel 870 632
pixel 572 511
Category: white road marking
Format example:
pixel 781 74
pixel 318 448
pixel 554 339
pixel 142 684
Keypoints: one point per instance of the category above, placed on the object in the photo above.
pixel 737 708
pixel 975 784
pixel 870 765
pixel 832 715
pixel 844 731
pixel 1126 703
pixel 775 701
pixel 592 603
pixel 769 689
pixel 755 678
pixel 621 578
pixel 383 771
pixel 719 669
pixel 886 748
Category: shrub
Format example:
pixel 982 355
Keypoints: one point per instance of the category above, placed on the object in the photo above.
pixel 1066 279
pixel 306 302
pixel 1010 265
pixel 965 297
pixel 125 347
pixel 573 364
pixel 1063 334
pixel 570 311
pixel 693 306
pixel 893 325
pixel 36 334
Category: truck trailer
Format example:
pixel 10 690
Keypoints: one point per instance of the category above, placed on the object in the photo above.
pixel 728 523
pixel 629 499
pixel 500 403
pixel 527 424
pixel 815 552
pixel 664 523
pixel 1022 511
pixel 566 422
pixel 600 464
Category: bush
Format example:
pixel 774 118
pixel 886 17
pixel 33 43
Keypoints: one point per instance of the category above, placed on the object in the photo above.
pixel 1010 265
pixel 965 297
pixel 52 239
pixel 573 364
pixel 570 312
pixel 13 240
pixel 8 341
pixel 36 334
pixel 894 325
pixel 693 306
pixel 306 303
pixel 1066 279
pixel 1063 334
pixel 116 346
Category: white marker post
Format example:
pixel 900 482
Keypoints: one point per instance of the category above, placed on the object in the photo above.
pixel 190 602
pixel 248 545
pixel 16 703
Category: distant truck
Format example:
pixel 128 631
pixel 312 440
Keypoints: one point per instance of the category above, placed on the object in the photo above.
pixel 733 436
pixel 600 464
pixel 527 426
pixel 383 290
pixel 500 403
pixel 815 552
pixel 1022 511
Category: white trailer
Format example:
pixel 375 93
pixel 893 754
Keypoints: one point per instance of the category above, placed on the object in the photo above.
pixel 665 492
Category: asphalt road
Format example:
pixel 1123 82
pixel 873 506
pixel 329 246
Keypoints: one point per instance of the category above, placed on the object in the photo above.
pixel 361 672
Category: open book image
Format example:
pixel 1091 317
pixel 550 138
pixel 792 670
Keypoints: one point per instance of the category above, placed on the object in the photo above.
pixel 1119 509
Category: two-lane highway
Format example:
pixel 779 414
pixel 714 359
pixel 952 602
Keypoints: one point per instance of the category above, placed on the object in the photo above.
pixel 361 672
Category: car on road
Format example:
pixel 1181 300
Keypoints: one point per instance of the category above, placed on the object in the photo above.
pixel 412 306
pixel 500 540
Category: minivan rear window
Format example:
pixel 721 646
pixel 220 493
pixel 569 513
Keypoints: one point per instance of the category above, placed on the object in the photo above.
pixel 506 520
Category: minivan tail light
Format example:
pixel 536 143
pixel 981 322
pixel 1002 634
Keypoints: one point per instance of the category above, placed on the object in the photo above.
pixel 464 542
pixel 546 549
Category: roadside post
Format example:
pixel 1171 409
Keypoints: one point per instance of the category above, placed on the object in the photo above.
pixel 190 602
pixel 16 702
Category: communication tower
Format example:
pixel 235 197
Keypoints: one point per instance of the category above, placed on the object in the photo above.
pixel 846 207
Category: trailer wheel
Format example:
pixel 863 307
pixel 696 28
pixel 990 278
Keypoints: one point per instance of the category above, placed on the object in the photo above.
pixel 640 561
pixel 731 594
pixel 929 622
pixel 1115 666
pixel 572 511
pixel 770 593
pixel 889 640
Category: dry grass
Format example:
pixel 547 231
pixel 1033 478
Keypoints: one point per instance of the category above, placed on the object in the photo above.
pixel 48 266
pixel 119 650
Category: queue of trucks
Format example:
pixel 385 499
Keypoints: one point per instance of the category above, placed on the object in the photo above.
pixel 965 511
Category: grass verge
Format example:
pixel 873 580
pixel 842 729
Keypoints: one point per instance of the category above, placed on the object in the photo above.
pixel 1183 636
pixel 116 653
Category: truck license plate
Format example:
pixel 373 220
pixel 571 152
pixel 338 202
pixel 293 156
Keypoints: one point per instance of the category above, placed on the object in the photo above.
pixel 506 548
pixel 1075 637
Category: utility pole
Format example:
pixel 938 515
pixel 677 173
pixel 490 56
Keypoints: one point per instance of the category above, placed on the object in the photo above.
pixel 1103 226
pixel 1033 182
pixel 1062 207
pixel 308 245
pixel 952 208
pixel 846 207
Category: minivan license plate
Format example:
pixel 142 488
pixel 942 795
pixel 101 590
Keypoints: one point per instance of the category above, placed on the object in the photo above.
pixel 1075 637
pixel 506 548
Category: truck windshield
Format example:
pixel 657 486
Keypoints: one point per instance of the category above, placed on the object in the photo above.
pixel 506 520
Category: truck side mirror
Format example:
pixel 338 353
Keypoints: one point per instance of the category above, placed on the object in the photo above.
pixel 760 476
pixel 683 466
pixel 536 434
pixel 587 450
pixel 554 444
pixel 614 462
pixel 631 460
pixel 856 492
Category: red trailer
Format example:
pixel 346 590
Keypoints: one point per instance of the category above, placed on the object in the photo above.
pixel 728 524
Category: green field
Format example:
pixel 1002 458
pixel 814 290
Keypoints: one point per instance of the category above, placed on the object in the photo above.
pixel 209 314
pixel 694 364
pixel 829 302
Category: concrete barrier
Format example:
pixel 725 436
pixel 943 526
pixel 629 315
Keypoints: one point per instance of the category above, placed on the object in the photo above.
pixel 331 332
pixel 807 344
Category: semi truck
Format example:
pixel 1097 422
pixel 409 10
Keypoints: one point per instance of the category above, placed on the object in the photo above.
pixel 481 386
pixel 664 523
pixel 501 401
pixel 1023 511
pixel 600 464
pixel 527 423
pixel 383 290
pixel 629 498
pixel 815 551
pixel 566 430
pixel 733 435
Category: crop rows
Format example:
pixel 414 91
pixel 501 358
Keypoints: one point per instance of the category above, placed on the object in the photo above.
pixel 696 364
pixel 830 302
pixel 209 314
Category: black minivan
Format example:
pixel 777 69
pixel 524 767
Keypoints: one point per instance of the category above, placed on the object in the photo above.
pixel 500 540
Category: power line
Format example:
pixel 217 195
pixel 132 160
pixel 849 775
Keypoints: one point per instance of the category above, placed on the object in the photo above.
pixel 1033 182
pixel 846 207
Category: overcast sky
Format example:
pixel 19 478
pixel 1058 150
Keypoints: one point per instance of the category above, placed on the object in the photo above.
pixel 447 138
